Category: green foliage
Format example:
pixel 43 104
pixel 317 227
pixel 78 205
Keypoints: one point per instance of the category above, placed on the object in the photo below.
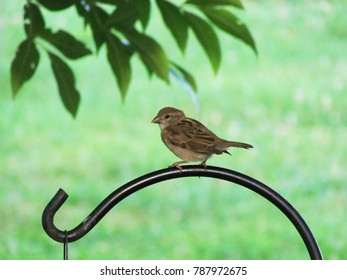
pixel 175 21
pixel 113 23
pixel 24 64
pixel 65 43
pixel 66 83
pixel 207 38
pixel 230 24
pixel 119 60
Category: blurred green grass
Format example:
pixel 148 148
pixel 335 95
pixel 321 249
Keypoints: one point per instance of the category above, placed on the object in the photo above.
pixel 290 103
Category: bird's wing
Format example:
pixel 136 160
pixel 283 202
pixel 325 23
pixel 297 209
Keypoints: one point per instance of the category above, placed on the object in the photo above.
pixel 193 135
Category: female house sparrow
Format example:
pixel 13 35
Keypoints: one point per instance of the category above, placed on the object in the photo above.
pixel 189 139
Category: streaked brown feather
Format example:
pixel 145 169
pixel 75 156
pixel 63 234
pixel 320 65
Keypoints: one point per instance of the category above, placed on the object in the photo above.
pixel 192 135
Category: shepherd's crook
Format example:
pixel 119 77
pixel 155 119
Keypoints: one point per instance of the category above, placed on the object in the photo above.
pixel 173 173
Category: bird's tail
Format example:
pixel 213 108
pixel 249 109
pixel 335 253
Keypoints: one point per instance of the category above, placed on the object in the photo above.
pixel 237 144
pixel 224 145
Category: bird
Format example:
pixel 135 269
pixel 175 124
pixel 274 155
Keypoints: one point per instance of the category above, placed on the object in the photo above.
pixel 189 139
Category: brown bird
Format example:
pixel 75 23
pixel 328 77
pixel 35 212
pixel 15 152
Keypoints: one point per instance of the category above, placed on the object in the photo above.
pixel 189 139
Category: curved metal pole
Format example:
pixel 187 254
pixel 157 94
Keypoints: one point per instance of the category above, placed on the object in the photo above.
pixel 166 174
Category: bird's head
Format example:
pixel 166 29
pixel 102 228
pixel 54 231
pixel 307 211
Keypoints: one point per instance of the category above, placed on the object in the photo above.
pixel 168 116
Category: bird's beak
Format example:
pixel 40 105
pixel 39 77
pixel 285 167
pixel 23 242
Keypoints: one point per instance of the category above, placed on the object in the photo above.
pixel 156 120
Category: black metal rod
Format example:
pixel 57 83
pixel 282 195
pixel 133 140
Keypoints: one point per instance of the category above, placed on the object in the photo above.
pixel 66 247
pixel 173 173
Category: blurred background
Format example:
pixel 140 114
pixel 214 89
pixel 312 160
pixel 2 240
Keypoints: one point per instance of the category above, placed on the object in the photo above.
pixel 289 103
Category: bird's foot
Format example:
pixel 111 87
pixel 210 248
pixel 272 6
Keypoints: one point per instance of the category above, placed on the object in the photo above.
pixel 204 165
pixel 177 165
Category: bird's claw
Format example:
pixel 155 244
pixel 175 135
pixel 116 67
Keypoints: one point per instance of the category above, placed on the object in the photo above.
pixel 179 167
pixel 204 165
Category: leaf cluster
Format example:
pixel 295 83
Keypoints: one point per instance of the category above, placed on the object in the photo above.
pixel 120 26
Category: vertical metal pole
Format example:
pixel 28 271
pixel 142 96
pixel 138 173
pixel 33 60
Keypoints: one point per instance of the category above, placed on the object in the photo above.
pixel 66 247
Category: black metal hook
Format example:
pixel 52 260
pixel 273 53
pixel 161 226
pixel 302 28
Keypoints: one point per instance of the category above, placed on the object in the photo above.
pixel 166 174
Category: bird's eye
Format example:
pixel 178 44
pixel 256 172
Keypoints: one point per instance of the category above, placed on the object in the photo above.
pixel 167 116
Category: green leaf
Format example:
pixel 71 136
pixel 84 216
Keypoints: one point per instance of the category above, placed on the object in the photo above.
pixel 33 20
pixel 175 21
pixel 24 64
pixel 120 62
pixel 143 7
pixel 207 38
pixel 66 83
pixel 151 53
pixel 56 5
pixel 123 16
pixel 83 11
pixel 228 22
pixel 112 2
pixel 98 19
pixel 187 77
pixel 235 3
pixel 65 43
